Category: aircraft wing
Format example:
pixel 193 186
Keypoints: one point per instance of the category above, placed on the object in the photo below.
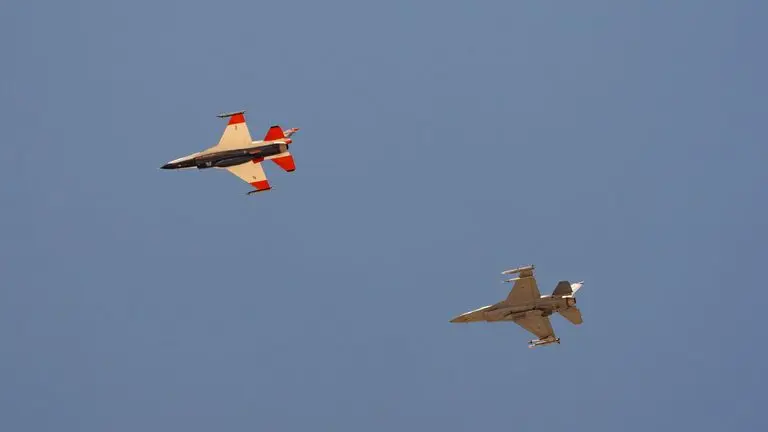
pixel 235 136
pixel 524 290
pixel 537 324
pixel 252 173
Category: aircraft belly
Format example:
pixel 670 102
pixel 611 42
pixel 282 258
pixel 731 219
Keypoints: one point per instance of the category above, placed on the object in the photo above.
pixel 545 306
pixel 230 158
pixel 228 162
pixel 269 150
pixel 507 314
pixel 520 307
pixel 496 315
pixel 550 303
pixel 253 152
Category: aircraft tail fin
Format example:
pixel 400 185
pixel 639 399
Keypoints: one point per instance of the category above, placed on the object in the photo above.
pixel 565 288
pixel 572 314
pixel 274 133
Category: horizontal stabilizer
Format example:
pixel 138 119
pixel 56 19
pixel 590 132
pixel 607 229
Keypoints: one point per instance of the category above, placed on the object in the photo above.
pixel 285 161
pixel 274 133
pixel 572 314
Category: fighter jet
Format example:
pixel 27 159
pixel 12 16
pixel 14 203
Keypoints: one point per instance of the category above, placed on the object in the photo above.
pixel 529 309
pixel 241 156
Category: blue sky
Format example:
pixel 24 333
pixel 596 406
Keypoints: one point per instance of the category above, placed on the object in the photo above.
pixel 440 143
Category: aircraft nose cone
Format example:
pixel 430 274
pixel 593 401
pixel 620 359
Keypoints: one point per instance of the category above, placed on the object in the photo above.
pixel 167 166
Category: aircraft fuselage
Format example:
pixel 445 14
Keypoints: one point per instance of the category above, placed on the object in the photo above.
pixel 504 311
pixel 227 158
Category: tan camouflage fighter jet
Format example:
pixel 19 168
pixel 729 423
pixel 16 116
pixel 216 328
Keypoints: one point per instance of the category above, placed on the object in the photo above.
pixel 529 309
pixel 236 153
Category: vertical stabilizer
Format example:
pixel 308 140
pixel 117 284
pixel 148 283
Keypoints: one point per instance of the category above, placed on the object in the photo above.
pixel 274 133
pixel 565 288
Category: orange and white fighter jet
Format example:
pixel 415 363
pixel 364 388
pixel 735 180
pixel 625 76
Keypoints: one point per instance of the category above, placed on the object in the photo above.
pixel 241 156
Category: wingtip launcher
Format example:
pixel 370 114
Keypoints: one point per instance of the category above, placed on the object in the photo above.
pixel 230 114
pixel 527 268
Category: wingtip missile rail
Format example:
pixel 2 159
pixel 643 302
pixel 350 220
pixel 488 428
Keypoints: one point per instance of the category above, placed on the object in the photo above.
pixel 230 114
pixel 518 270
pixel 255 191
pixel 546 341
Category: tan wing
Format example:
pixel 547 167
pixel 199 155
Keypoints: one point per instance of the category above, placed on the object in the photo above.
pixel 524 290
pixel 235 135
pixel 253 173
pixel 537 324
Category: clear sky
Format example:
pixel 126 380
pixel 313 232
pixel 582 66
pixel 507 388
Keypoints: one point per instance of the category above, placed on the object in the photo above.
pixel 623 143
